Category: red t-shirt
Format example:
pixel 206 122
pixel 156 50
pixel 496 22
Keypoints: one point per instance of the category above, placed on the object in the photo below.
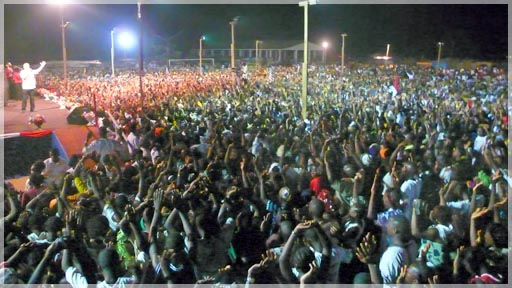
pixel 16 78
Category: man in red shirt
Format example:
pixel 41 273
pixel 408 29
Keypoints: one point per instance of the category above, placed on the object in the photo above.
pixel 16 84
pixel 8 83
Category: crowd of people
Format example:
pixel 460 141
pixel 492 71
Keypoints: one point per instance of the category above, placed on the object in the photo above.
pixel 395 176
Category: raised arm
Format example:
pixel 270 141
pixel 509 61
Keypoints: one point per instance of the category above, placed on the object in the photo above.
pixel 41 66
pixel 284 259
pixel 153 247
pixel 366 254
pixel 358 186
pixel 13 213
pixel 373 191
pixel 54 247
pixel 263 195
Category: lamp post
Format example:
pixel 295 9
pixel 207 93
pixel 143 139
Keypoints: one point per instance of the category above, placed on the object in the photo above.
pixel 325 44
pixel 201 53
pixel 125 40
pixel 257 51
pixel 64 52
pixel 440 44
pixel 305 4
pixel 141 59
pixel 387 56
pixel 112 50
pixel 343 52
pixel 233 23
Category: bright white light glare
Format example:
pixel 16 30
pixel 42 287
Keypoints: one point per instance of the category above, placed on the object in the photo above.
pixel 59 2
pixel 383 57
pixel 126 40
pixel 325 44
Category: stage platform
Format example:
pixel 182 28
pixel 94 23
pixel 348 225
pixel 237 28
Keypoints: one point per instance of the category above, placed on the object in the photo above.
pixel 66 137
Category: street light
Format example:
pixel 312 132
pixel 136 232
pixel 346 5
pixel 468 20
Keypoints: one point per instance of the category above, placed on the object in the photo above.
pixel 201 53
pixel 112 50
pixel 126 40
pixel 141 55
pixel 440 44
pixel 325 45
pixel 233 23
pixel 257 51
pixel 64 52
pixel 343 52
pixel 305 4
pixel 387 56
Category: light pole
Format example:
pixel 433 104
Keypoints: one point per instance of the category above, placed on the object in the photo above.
pixel 201 53
pixel 387 56
pixel 233 23
pixel 141 55
pixel 64 52
pixel 112 50
pixel 440 44
pixel 343 52
pixel 325 44
pixel 125 40
pixel 304 94
pixel 257 51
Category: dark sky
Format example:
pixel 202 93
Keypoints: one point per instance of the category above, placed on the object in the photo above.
pixel 32 32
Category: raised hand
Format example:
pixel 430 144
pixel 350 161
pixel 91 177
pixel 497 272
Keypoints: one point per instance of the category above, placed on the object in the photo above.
pixel 457 260
pixel 310 276
pixel 477 186
pixel 302 227
pixel 434 280
pixel 157 199
pixel 269 258
pixel 226 269
pixel 366 249
pixel 479 212
pixel 375 181
pixel 501 202
pixel 424 250
pixel 403 273
pixel 130 213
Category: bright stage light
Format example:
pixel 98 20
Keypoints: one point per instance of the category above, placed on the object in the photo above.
pixel 126 40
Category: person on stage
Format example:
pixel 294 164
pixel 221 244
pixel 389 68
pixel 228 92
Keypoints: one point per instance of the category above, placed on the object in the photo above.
pixel 28 77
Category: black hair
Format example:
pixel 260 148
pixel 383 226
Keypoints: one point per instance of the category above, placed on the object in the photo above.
pixel 97 226
pixel 53 224
pixel 36 179
pixel 499 234
pixel 36 220
pixel 39 166
pixel 302 257
pixel 109 259
pixel 209 224
pixel 443 214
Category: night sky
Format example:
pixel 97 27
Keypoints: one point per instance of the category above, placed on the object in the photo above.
pixel 32 32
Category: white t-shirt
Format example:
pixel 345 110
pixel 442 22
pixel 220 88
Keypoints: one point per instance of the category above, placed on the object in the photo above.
pixel 77 280
pixel 393 259
pixel 55 171
pixel 133 142
pixel 479 143
pixel 446 174
pixel 109 213
pixel 411 190
pixel 28 77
